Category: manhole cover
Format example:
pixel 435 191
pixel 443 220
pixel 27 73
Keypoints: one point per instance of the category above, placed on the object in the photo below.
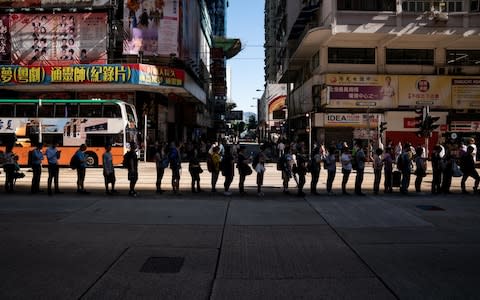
pixel 429 207
pixel 163 265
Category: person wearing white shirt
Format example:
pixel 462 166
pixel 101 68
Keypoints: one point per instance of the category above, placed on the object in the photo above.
pixel 346 160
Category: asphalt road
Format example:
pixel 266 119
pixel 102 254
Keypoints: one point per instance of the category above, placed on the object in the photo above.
pixel 208 246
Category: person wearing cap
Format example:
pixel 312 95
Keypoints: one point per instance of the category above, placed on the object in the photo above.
pixel 37 157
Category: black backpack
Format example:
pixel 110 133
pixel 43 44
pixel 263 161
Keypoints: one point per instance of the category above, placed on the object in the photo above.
pixel 74 161
pixel 281 163
pixel 255 161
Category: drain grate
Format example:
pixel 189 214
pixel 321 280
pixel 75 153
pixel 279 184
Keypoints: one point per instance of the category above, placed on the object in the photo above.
pixel 163 265
pixel 430 207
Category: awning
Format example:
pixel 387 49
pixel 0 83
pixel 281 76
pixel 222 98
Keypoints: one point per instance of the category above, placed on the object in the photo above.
pixel 231 47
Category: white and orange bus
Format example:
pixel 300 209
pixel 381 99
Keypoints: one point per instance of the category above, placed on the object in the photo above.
pixel 68 123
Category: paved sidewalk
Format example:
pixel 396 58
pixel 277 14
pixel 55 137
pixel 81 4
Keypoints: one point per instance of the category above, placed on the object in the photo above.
pixel 208 246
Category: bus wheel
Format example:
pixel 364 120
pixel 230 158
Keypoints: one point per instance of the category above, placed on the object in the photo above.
pixel 91 159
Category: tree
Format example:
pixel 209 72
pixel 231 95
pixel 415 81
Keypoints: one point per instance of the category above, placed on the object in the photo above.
pixel 252 122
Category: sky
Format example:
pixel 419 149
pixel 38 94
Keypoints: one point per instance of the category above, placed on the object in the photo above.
pixel 245 20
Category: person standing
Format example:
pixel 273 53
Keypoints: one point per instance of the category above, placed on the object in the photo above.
pixel 301 169
pixel 420 169
pixel 194 169
pixel 161 162
pixel 331 166
pixel 108 170
pixel 242 165
pixel 388 170
pixel 259 166
pixel 81 169
pixel 437 163
pixel 37 157
pixel 377 170
pixel 468 169
pixel 360 158
pixel 9 168
pixel 131 163
pixel 346 160
pixel 404 165
pixel 315 170
pixel 175 161
pixel 227 168
pixel 216 158
pixel 286 162
pixel 53 155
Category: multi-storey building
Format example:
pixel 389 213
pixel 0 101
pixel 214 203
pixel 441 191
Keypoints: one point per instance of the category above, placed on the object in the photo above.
pixel 152 53
pixel 350 65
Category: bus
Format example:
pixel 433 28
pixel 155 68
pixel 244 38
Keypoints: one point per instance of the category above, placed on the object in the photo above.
pixel 68 123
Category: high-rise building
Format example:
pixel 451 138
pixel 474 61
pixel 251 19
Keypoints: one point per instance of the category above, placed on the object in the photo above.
pixel 351 65
pixel 155 54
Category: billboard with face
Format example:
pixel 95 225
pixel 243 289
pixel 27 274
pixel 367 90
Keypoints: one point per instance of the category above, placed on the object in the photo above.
pixel 151 27
pixel 58 39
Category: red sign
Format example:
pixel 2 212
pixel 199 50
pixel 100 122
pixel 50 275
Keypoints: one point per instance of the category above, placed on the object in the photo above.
pixel 409 123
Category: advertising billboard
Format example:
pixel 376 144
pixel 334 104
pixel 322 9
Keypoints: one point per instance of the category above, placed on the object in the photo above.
pixel 52 3
pixel 433 91
pixel 92 74
pixel 58 39
pixel 362 90
pixel 466 93
pixel 4 39
pixel 151 27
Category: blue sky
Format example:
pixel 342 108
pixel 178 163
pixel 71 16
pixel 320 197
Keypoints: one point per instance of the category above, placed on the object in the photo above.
pixel 245 20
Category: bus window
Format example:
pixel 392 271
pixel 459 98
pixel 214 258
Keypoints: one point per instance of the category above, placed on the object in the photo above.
pixel 26 110
pixel 111 111
pixel 60 111
pixel 130 114
pixel 6 110
pixel 100 140
pixel 87 110
pixel 49 139
pixel 45 111
pixel 72 110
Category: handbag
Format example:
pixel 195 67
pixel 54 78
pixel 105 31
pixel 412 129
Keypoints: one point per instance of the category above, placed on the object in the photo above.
pixel 456 172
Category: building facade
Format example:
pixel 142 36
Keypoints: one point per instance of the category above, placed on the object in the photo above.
pixel 350 65
pixel 153 54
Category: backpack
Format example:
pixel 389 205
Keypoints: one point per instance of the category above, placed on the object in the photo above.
pixel 281 163
pixel 210 165
pixel 74 162
pixel 255 161
pixel 400 162
pixel 30 158
pixel 354 162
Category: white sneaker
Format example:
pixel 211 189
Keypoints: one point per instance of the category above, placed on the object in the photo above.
pixel 227 193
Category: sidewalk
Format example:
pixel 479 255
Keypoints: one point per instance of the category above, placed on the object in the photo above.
pixel 207 246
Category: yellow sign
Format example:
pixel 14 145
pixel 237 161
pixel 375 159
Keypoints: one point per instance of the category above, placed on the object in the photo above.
pixel 424 90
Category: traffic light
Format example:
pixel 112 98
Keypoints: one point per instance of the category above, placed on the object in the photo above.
pixel 430 123
pixel 383 127
pixel 420 121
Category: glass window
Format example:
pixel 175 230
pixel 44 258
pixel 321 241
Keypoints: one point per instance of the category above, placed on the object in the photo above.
pixel 366 5
pixel 26 110
pixel 46 110
pixel 351 55
pixel 71 110
pixel 409 56
pixel 130 114
pixel 475 5
pixel 423 6
pixel 7 110
pixel 111 111
pixel 463 57
pixel 90 111
pixel 60 111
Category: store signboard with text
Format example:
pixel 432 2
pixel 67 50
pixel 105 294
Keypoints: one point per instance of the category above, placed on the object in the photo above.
pixel 465 92
pixel 362 120
pixel 433 91
pixel 361 91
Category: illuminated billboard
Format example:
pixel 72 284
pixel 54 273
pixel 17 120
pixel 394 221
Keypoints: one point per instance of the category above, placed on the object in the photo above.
pixel 58 39
pixel 151 27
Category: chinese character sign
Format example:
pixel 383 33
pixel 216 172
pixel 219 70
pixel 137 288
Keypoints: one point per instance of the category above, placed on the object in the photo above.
pixel 151 27
pixel 58 39
pixel 4 39
pixel 354 90
pixel 466 92
pixel 434 91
